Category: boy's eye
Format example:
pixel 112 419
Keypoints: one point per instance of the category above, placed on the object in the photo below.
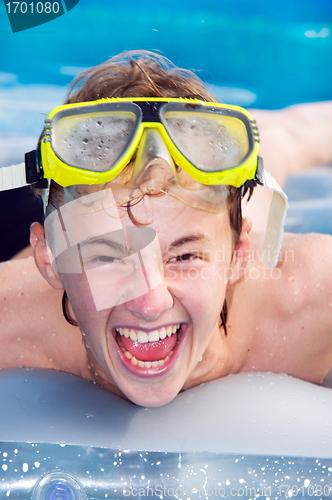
pixel 106 258
pixel 99 260
pixel 184 257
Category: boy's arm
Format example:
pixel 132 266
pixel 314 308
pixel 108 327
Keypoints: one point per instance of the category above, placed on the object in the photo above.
pixel 291 140
pixel 295 138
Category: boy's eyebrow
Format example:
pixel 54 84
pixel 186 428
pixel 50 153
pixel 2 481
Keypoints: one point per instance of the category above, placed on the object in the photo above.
pixel 98 240
pixel 190 238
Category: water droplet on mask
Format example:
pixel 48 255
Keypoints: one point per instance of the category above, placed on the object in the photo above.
pixel 85 140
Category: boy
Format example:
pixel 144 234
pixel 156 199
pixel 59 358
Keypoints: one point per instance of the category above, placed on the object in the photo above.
pixel 155 257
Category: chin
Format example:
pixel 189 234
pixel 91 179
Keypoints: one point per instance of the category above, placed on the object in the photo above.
pixel 152 391
pixel 152 398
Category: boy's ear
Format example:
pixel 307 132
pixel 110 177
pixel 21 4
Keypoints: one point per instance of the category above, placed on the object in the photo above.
pixel 42 255
pixel 241 253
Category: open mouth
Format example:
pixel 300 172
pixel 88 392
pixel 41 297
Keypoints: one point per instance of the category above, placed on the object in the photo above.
pixel 149 349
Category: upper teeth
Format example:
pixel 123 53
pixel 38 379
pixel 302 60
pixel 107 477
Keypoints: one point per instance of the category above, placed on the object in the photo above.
pixel 143 337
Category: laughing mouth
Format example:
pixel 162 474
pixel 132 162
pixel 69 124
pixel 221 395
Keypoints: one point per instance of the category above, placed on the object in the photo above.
pixel 149 349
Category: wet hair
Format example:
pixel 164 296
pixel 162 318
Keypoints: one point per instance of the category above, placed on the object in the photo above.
pixel 145 74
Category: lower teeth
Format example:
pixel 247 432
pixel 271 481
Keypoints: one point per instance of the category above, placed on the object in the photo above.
pixel 148 364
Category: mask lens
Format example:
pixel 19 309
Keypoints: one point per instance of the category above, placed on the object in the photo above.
pixel 211 142
pixel 93 141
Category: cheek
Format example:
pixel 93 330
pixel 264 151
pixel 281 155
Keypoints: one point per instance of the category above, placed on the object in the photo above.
pixel 78 291
pixel 82 303
pixel 201 290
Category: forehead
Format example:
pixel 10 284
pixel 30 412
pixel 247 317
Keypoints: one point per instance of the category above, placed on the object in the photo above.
pixel 169 217
pixel 89 217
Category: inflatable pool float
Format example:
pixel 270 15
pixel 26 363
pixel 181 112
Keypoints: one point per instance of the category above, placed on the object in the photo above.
pixel 251 435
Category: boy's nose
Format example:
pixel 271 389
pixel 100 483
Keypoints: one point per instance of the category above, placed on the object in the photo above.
pixel 150 306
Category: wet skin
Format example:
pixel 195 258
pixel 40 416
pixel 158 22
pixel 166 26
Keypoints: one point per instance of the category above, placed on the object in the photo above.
pixel 197 251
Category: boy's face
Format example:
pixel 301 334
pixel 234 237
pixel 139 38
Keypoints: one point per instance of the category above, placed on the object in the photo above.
pixel 196 251
pixel 189 275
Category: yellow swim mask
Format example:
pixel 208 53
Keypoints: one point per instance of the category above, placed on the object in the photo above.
pixel 92 142
pixel 206 146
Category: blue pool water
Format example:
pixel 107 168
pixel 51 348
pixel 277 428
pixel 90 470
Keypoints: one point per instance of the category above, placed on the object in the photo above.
pixel 278 50
pixel 310 207
pixel 259 54
pixel 31 470
pixel 262 53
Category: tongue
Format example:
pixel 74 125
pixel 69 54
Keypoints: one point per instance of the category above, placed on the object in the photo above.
pixel 150 351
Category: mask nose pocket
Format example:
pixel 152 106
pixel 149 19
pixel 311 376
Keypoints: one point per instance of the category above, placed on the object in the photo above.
pixel 153 160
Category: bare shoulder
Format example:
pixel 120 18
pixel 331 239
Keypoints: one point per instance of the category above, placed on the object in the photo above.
pixel 297 290
pixel 312 270
pixel 303 276
pixel 33 332
pixel 306 260
pixel 290 308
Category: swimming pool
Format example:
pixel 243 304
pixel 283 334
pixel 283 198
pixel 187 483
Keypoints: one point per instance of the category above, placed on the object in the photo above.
pixel 258 54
